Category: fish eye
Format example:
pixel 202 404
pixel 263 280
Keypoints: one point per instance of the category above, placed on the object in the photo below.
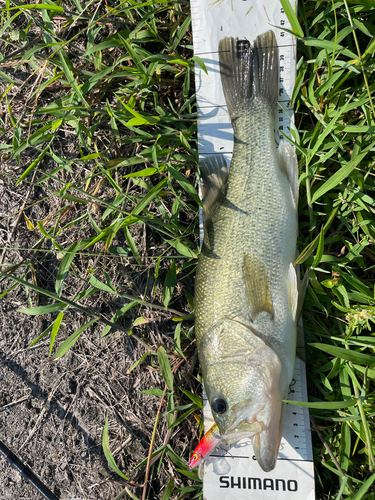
pixel 219 405
pixel 195 456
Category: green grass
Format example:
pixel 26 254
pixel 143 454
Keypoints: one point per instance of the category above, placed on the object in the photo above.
pixel 123 74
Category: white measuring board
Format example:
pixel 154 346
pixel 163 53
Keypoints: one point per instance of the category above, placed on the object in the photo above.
pixel 233 473
pixel 214 20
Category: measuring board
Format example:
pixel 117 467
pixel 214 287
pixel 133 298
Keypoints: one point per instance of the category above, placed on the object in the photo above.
pixel 233 473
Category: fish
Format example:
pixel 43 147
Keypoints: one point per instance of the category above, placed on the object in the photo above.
pixel 247 290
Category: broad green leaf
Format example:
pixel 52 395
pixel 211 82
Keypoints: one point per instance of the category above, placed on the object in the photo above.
pixel 177 340
pixel 182 417
pixel 36 311
pixel 107 452
pixel 134 365
pixel 365 487
pixel 183 249
pixel 329 46
pixel 176 459
pixel 185 184
pixel 200 63
pixel 148 197
pixel 153 392
pixel 112 41
pixel 339 176
pixel 118 315
pixel 165 367
pixel 101 286
pixel 132 244
pixel 70 77
pixel 119 251
pixel 196 399
pixel 72 339
pixel 181 32
pixel 33 165
pixel 292 17
pixel 55 329
pixel 345 446
pixel 65 265
pixel 319 251
pixel 340 352
pixel 47 330
pixel 168 490
pixel 325 405
pixel 45 6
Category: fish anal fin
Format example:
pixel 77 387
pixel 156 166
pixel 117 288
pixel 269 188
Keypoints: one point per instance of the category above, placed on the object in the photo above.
pixel 289 166
pixel 215 174
pixel 257 286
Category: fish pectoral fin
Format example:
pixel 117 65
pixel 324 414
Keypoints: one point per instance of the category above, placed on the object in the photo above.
pixel 293 291
pixel 215 174
pixel 257 286
pixel 289 166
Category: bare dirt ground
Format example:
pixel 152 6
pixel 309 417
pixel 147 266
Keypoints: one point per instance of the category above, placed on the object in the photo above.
pixel 52 415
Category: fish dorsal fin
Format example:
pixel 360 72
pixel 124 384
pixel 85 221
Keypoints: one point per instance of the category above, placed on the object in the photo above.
pixel 257 286
pixel 289 166
pixel 215 173
pixel 293 291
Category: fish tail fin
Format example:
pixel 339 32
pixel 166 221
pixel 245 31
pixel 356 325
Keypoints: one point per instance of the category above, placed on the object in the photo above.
pixel 248 72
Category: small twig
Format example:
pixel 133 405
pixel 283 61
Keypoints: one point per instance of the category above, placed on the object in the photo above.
pixel 342 474
pixel 13 403
pixel 154 433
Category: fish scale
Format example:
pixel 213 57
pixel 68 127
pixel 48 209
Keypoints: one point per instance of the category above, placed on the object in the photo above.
pixel 245 293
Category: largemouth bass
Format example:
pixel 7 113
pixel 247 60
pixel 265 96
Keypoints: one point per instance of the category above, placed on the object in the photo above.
pixel 246 284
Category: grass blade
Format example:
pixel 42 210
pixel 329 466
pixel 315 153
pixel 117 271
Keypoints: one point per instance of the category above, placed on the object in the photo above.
pixel 165 368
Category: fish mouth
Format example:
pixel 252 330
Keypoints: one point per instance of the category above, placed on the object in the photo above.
pixel 244 425
pixel 242 431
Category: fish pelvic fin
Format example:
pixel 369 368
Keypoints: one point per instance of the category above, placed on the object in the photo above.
pixel 249 72
pixel 214 170
pixel 257 286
